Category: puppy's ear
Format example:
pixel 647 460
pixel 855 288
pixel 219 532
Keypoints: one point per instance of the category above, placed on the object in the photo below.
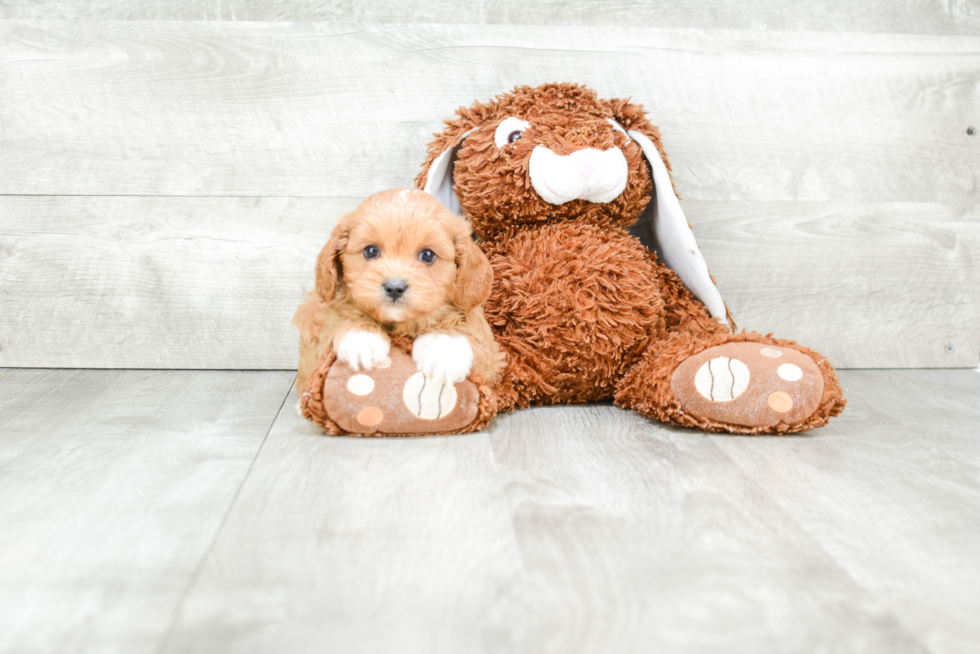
pixel 474 276
pixel 329 270
pixel 678 247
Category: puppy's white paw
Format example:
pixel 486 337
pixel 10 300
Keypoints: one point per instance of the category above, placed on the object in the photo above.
pixel 364 350
pixel 443 357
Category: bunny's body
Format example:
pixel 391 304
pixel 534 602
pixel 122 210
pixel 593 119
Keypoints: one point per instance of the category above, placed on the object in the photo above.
pixel 550 179
pixel 577 306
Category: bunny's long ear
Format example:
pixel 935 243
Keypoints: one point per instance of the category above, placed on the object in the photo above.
pixel 439 180
pixel 677 245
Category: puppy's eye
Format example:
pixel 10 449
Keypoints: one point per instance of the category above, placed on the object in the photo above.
pixel 372 252
pixel 427 256
pixel 509 130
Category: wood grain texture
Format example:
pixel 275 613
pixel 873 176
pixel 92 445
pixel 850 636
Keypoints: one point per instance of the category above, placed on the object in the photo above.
pixel 341 110
pixel 114 485
pixel 905 16
pixel 892 494
pixel 157 282
pixel 213 282
pixel 583 529
pixel 560 529
pixel 359 545
pixel 829 177
pixel 639 537
pixel 884 285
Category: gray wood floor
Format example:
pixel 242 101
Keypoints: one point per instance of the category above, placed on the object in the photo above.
pixel 192 511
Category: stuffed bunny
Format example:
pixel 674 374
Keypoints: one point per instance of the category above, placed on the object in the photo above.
pixel 550 179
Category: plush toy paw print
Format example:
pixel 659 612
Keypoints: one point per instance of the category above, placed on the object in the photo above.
pixel 396 399
pixel 741 383
pixel 748 384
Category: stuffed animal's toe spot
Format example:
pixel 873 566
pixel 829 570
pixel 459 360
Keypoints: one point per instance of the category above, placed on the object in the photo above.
pixel 780 402
pixel 770 352
pixel 428 398
pixel 370 416
pixel 360 385
pixel 722 379
pixel 789 372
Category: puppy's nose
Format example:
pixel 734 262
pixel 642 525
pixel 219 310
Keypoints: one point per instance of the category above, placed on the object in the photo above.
pixel 394 288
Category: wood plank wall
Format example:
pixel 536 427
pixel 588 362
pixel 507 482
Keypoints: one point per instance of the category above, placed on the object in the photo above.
pixel 166 180
pixel 877 16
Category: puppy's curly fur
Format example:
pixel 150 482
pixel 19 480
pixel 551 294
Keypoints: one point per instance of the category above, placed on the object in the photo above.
pixel 441 297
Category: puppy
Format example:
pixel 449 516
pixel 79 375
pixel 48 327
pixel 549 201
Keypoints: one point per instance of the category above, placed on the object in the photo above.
pixel 400 266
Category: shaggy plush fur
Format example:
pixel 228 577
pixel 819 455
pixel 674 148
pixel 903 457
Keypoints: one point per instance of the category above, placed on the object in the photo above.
pixel 561 318
pixel 582 310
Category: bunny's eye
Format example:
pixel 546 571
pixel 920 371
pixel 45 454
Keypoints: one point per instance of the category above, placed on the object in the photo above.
pixel 372 252
pixel 509 130
pixel 618 128
pixel 427 256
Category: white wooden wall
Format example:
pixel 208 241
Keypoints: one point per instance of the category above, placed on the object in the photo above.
pixel 166 180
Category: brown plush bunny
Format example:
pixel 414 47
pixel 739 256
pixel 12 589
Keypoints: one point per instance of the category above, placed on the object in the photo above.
pixel 550 179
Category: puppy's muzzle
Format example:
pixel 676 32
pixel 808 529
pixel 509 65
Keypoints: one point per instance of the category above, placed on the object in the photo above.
pixel 394 288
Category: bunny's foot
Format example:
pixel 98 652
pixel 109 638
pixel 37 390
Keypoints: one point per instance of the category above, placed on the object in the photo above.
pixel 738 383
pixel 396 400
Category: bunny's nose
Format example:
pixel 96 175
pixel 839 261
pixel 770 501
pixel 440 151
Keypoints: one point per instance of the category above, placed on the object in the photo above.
pixel 394 288
pixel 586 162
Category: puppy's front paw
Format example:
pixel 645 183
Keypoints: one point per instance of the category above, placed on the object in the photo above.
pixel 443 357
pixel 364 350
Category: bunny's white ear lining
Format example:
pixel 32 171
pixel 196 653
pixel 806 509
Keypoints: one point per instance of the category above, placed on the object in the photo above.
pixel 680 251
pixel 677 245
pixel 439 182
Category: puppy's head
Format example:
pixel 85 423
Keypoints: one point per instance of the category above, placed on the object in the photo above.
pixel 401 255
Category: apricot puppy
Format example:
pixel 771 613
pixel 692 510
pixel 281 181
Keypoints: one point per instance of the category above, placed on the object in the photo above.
pixel 403 268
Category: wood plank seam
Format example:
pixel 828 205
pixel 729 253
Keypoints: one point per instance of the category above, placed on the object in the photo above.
pixel 175 614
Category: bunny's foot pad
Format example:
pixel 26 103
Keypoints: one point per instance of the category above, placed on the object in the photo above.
pixel 749 384
pixel 394 401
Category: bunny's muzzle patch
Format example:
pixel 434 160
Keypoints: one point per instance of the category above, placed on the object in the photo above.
pixel 586 174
